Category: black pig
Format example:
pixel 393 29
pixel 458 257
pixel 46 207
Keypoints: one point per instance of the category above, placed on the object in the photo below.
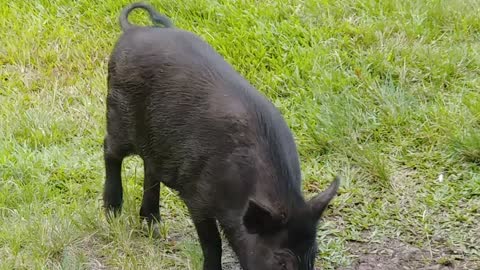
pixel 204 131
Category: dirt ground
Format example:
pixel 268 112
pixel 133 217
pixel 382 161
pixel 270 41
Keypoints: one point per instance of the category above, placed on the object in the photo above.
pixel 390 255
pixel 395 255
pixel 229 260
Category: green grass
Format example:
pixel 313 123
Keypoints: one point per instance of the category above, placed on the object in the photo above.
pixel 384 92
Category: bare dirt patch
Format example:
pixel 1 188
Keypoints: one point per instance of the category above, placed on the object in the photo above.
pixel 388 255
pixel 396 255
pixel 229 259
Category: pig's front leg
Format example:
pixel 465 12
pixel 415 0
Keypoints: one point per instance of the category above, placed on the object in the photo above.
pixel 210 241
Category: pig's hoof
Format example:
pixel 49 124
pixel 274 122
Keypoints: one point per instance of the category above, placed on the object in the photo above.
pixel 155 230
pixel 112 213
pixel 151 228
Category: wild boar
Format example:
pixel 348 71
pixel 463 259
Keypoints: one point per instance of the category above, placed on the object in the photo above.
pixel 206 132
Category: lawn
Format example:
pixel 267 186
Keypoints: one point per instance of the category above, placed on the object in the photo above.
pixel 385 93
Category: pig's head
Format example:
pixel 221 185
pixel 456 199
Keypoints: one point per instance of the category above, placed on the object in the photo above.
pixel 279 241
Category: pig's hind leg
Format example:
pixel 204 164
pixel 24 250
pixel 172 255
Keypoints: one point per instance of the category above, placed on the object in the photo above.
pixel 150 209
pixel 114 153
pixel 116 147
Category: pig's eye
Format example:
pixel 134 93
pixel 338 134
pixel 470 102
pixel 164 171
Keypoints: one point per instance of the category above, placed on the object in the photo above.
pixel 284 265
pixel 285 260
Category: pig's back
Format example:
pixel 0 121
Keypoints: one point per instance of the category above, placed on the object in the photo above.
pixel 189 104
pixel 173 80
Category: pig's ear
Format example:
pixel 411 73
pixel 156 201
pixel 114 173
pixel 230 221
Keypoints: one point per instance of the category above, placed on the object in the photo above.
pixel 321 201
pixel 259 219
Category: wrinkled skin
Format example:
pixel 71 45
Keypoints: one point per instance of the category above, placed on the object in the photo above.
pixel 204 131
